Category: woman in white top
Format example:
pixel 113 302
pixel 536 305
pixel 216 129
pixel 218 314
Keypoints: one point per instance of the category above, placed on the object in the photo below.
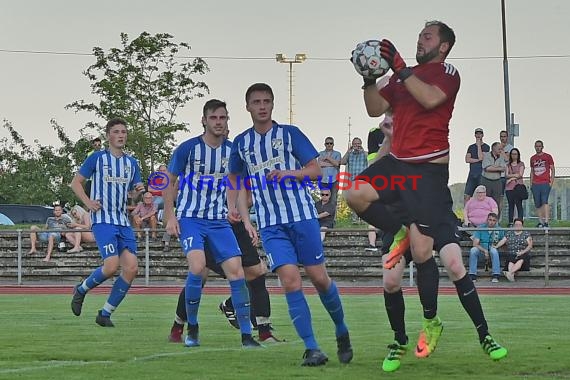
pixel 81 220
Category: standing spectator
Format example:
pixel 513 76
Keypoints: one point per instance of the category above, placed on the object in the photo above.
pixel 515 172
pixel 58 221
pixel 493 165
pixel 145 215
pixel 474 157
pixel 326 211
pixel 82 221
pixel 478 208
pixel 155 188
pixel 356 161
pixel 541 180
pixel 114 173
pixel 519 244
pixel 485 245
pixel 329 161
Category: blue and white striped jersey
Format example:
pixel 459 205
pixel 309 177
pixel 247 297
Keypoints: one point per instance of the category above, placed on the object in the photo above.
pixel 201 172
pixel 284 147
pixel 111 180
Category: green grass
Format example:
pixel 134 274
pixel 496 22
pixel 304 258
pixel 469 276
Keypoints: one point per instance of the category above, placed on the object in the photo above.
pixel 41 339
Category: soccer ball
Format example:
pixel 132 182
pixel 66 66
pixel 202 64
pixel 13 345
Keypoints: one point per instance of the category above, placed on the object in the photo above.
pixel 367 60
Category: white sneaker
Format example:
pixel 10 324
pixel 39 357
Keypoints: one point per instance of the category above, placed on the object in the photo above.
pixel 495 279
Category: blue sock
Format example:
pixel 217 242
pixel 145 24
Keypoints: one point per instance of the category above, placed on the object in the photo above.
pixel 301 317
pixel 118 293
pixel 331 301
pixel 193 295
pixel 240 300
pixel 96 278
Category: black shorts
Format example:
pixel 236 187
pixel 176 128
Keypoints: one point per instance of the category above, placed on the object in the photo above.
pixel 422 189
pixel 249 255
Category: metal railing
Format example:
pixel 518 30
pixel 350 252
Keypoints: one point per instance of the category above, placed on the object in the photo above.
pixel 147 231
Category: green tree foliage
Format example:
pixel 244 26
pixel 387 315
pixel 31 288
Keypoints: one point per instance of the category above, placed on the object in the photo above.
pixel 39 174
pixel 145 81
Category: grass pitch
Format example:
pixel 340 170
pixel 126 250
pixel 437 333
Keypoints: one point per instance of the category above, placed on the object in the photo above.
pixel 41 339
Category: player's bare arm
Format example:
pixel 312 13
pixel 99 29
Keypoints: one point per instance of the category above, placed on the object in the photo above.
pixel 312 170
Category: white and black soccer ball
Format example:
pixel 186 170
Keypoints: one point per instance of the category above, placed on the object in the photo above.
pixel 367 60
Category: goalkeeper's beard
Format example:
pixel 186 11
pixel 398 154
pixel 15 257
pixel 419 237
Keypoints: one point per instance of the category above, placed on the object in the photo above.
pixel 427 57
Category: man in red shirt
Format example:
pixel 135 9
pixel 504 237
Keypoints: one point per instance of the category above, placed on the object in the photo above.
pixel 422 100
pixel 541 180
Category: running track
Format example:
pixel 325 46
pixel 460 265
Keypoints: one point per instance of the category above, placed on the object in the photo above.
pixel 356 290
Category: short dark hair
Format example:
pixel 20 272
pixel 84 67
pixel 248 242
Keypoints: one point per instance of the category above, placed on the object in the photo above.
pixel 539 142
pixel 446 34
pixel 96 139
pixel 493 215
pixel 114 121
pixel 212 105
pixel 518 220
pixel 261 87
pixel 504 131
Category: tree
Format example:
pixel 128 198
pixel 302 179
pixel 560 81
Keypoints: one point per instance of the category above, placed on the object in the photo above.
pixel 39 174
pixel 146 84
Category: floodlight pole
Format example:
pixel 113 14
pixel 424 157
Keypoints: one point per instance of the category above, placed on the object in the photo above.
pixel 508 121
pixel 299 58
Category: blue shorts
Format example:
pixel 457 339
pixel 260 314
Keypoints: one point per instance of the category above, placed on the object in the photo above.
pixel 540 193
pixel 222 243
pixel 293 243
pixel 112 240
pixel 471 184
pixel 44 236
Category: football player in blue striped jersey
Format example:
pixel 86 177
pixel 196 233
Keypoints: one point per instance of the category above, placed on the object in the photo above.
pixel 113 174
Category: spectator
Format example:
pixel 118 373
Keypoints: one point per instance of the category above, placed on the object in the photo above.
pixel 493 165
pixel 58 221
pixel 155 188
pixel 485 244
pixel 478 208
pixel 505 149
pixel 515 172
pixel 356 161
pixel 329 161
pixel 326 212
pixel 519 244
pixel 541 180
pixel 474 157
pixel 80 220
pixel 145 215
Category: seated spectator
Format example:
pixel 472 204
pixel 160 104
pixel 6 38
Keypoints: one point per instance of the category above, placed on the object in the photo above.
pixel 519 244
pixel 485 244
pixel 326 211
pixel 145 216
pixel 478 208
pixel 58 221
pixel 81 220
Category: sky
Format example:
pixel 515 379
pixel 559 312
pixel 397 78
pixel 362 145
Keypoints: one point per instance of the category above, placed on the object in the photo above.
pixel 35 88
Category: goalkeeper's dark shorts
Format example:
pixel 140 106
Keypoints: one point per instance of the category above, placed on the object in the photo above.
pixel 249 254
